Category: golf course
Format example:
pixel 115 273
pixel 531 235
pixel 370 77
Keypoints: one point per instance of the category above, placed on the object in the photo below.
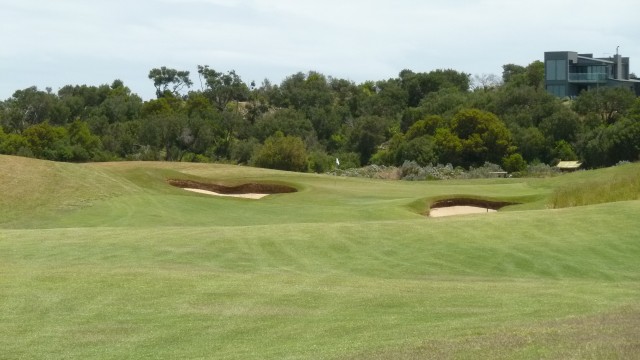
pixel 117 261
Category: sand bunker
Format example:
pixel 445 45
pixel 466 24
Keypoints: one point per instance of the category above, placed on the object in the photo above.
pixel 459 210
pixel 254 196
pixel 464 206
pixel 247 191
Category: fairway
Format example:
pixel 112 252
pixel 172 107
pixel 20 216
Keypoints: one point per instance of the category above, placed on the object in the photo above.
pixel 110 261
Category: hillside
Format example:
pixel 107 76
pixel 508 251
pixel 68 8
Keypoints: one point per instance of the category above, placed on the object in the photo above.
pixel 108 260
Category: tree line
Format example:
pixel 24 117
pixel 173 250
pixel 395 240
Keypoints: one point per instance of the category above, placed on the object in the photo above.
pixel 310 119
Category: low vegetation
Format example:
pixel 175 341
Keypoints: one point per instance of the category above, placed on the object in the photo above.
pixel 108 260
pixel 412 171
pixel 622 186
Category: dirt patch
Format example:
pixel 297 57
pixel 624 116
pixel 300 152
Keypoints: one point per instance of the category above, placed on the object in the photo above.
pixel 249 190
pixel 463 206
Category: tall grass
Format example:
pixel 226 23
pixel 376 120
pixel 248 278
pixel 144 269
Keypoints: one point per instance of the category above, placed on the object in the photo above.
pixel 598 190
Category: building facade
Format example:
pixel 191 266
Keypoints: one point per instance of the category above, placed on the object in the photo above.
pixel 567 73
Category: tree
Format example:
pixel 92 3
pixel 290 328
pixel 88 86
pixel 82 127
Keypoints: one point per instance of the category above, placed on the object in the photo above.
pixel 287 121
pixel 163 131
pixel 420 149
pixel 514 163
pixel 564 151
pixel 282 153
pixel 28 107
pixel 258 103
pixel 383 98
pixel 606 146
pixel 426 126
pixel 84 144
pixel 532 144
pixel 122 138
pixel 608 102
pixel 510 72
pixel 47 142
pixel 367 134
pixel 521 104
pixel 448 146
pixel 419 85
pixel 483 136
pixel 83 102
pixel 13 144
pixel 327 121
pixel 535 74
pixel 165 78
pixel 625 141
pixel 314 96
pixel 444 102
pixel 205 125
pixel 563 124
pixel 451 78
pixel 304 92
pixel 485 82
pixel 223 88
pixel 120 104
pixel 345 95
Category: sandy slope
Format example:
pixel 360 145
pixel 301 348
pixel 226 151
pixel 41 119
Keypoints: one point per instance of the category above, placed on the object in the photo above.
pixel 459 210
pixel 245 196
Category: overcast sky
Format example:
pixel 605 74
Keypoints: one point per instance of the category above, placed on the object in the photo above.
pixel 52 43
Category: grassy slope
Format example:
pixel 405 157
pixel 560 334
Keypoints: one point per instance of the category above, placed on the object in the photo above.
pixel 107 261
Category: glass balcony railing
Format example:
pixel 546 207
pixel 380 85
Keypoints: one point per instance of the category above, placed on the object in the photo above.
pixel 588 77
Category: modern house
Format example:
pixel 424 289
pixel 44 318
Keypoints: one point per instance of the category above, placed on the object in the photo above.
pixel 567 73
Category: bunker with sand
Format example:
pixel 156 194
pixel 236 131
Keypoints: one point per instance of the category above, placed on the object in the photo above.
pixel 465 206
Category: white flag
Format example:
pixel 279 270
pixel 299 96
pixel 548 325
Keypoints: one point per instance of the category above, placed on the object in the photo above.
pixel 337 162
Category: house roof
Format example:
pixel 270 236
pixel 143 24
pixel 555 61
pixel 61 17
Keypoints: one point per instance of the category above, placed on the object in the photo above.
pixel 569 164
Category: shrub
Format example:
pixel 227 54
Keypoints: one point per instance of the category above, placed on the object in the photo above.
pixel 514 163
pixel 320 162
pixel 541 170
pixel 370 171
pixel 282 153
pixel 411 170
pixel 483 172
pixel 348 160
pixel 421 150
pixel 243 150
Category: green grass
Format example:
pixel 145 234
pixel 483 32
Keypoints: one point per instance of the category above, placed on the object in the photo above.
pixel 109 261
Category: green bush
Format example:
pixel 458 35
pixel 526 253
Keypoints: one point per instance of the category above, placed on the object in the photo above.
pixel 421 150
pixel 348 160
pixel 320 162
pixel 282 153
pixel 14 144
pixel 514 163
pixel 242 150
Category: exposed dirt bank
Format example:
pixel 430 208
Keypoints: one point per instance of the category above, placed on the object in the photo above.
pixel 249 190
pixel 463 206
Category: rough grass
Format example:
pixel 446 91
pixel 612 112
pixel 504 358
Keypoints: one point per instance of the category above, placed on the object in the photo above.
pixel 620 185
pixel 343 268
pixel 611 335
